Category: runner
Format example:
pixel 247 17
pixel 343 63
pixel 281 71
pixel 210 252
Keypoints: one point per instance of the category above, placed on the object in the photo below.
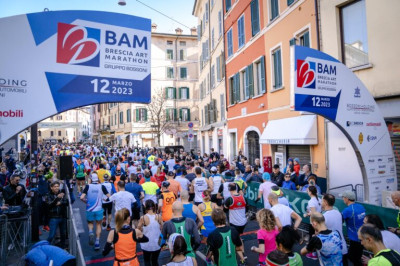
pixel 199 184
pixel 190 210
pixel 80 175
pixel 123 199
pixel 92 195
pixel 178 248
pixel 236 205
pixel 137 191
pixel 107 205
pixel 215 182
pixel 206 209
pixel 167 198
pixel 124 240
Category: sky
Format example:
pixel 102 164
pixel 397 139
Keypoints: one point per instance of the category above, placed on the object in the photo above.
pixel 180 10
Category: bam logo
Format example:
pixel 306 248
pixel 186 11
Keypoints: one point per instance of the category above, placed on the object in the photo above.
pixel 305 74
pixel 78 45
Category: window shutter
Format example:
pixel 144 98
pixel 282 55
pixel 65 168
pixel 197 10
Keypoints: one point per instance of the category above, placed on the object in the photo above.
pixel 174 93
pixel 188 114
pixel 237 84
pixel 198 32
pixel 175 115
pixel 145 115
pixel 246 89
pixel 251 82
pixel 214 103
pixel 262 62
pixel 180 93
pixel 306 37
pixel 206 114
pixel 137 115
pixel 278 55
pixel 227 5
pixel 180 114
pixel 292 42
pixel 255 22
pixel 289 2
pixel 218 69
pixel 166 93
pixel 167 118
pixel 231 92
pixel 187 93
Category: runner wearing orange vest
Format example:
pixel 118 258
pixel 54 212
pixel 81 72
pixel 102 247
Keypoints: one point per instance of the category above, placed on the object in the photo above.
pixel 124 239
pixel 167 198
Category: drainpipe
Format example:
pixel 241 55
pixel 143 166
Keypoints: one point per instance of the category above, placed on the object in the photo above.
pixel 317 23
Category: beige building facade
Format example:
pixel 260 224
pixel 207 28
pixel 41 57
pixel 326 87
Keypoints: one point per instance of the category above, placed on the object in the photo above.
pixel 212 101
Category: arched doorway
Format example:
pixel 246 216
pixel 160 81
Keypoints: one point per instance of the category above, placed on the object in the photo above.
pixel 253 144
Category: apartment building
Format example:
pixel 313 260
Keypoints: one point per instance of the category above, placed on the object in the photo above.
pixel 212 103
pixel 363 34
pixel 258 35
pixel 174 76
pixel 70 126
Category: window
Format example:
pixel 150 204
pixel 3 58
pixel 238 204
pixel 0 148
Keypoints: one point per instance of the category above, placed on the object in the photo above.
pixel 212 3
pixel 128 115
pixel 59 117
pixel 222 103
pixel 203 122
pixel 305 39
pixel 171 114
pixel 115 119
pixel 202 94
pixel 182 54
pixel 170 42
pixel 170 54
pixel 212 39
pixel 234 89
pixel 39 133
pixel 259 86
pixel 354 34
pixel 170 72
pixel 183 72
pixel 59 133
pixel 289 2
pixel 184 93
pixel 170 93
pixel 249 81
pixel 51 133
pixel 255 19
pixel 182 43
pixel 121 117
pixel 219 24
pixel 141 115
pixel 230 41
pixel 112 121
pixel 241 37
pixel 277 69
pixel 206 11
pixel 212 76
pixel 218 69
pixel 184 114
pixel 274 9
pixel 228 5
pixel 244 93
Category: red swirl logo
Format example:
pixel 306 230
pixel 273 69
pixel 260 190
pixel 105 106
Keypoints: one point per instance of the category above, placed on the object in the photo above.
pixel 305 74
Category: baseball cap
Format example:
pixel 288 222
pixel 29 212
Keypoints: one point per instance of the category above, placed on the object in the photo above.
pixel 213 169
pixel 94 178
pixel 170 173
pixel 165 184
pixel 348 194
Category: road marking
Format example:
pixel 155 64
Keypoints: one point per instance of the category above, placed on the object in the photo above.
pixel 78 220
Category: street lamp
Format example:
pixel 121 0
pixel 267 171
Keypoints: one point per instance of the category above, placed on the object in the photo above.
pixel 121 2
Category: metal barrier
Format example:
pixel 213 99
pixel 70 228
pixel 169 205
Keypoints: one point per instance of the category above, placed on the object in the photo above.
pixel 336 191
pixel 359 192
pixel 15 235
pixel 75 248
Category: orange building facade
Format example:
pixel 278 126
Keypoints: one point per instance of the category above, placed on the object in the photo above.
pixel 258 35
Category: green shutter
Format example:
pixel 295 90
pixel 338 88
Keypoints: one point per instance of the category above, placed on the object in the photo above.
pixel 306 37
pixel 292 42
pixel 175 115
pixel 275 70
pixel 145 115
pixel 166 93
pixel 237 85
pixel 174 93
pixel 187 93
pixel 262 62
pixel 188 114
pixel 279 59
pixel 167 116
pixel 214 113
pixel 231 92
pixel 180 93
pixel 180 114
pixel 255 22
pixel 251 80
pixel 137 114
pixel 206 114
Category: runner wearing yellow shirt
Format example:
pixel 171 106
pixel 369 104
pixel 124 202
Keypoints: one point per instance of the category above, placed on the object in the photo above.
pixel 101 172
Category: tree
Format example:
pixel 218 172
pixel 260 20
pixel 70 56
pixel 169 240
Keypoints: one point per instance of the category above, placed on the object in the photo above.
pixel 157 118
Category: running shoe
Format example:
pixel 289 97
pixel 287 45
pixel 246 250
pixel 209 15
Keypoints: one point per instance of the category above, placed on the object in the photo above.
pixel 91 239
pixel 104 222
pixel 46 228
pixel 312 256
pixel 97 246
pixel 108 227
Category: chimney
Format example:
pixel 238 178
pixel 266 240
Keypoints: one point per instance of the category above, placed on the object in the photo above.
pixel 193 31
pixel 153 27
pixel 178 31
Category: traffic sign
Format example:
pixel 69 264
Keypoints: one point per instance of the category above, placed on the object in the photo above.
pixel 190 125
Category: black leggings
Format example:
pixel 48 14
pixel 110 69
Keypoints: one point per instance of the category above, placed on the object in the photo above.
pixel 151 257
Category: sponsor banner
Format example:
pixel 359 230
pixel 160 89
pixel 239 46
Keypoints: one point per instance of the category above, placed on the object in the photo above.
pixel 299 200
pixel 324 86
pixel 66 59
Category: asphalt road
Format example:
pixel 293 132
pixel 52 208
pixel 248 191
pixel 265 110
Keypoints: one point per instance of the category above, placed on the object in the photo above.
pixel 93 257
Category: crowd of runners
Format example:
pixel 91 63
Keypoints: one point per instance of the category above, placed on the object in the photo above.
pixel 174 201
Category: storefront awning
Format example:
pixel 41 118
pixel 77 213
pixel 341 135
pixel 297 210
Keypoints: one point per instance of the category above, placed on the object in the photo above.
pixel 300 130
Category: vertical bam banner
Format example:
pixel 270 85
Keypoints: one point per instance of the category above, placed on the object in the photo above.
pixel 324 86
pixel 55 61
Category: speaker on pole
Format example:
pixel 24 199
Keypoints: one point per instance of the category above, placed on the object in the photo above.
pixel 65 167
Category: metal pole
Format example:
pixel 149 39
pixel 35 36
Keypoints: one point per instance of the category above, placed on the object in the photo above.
pixel 34 141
